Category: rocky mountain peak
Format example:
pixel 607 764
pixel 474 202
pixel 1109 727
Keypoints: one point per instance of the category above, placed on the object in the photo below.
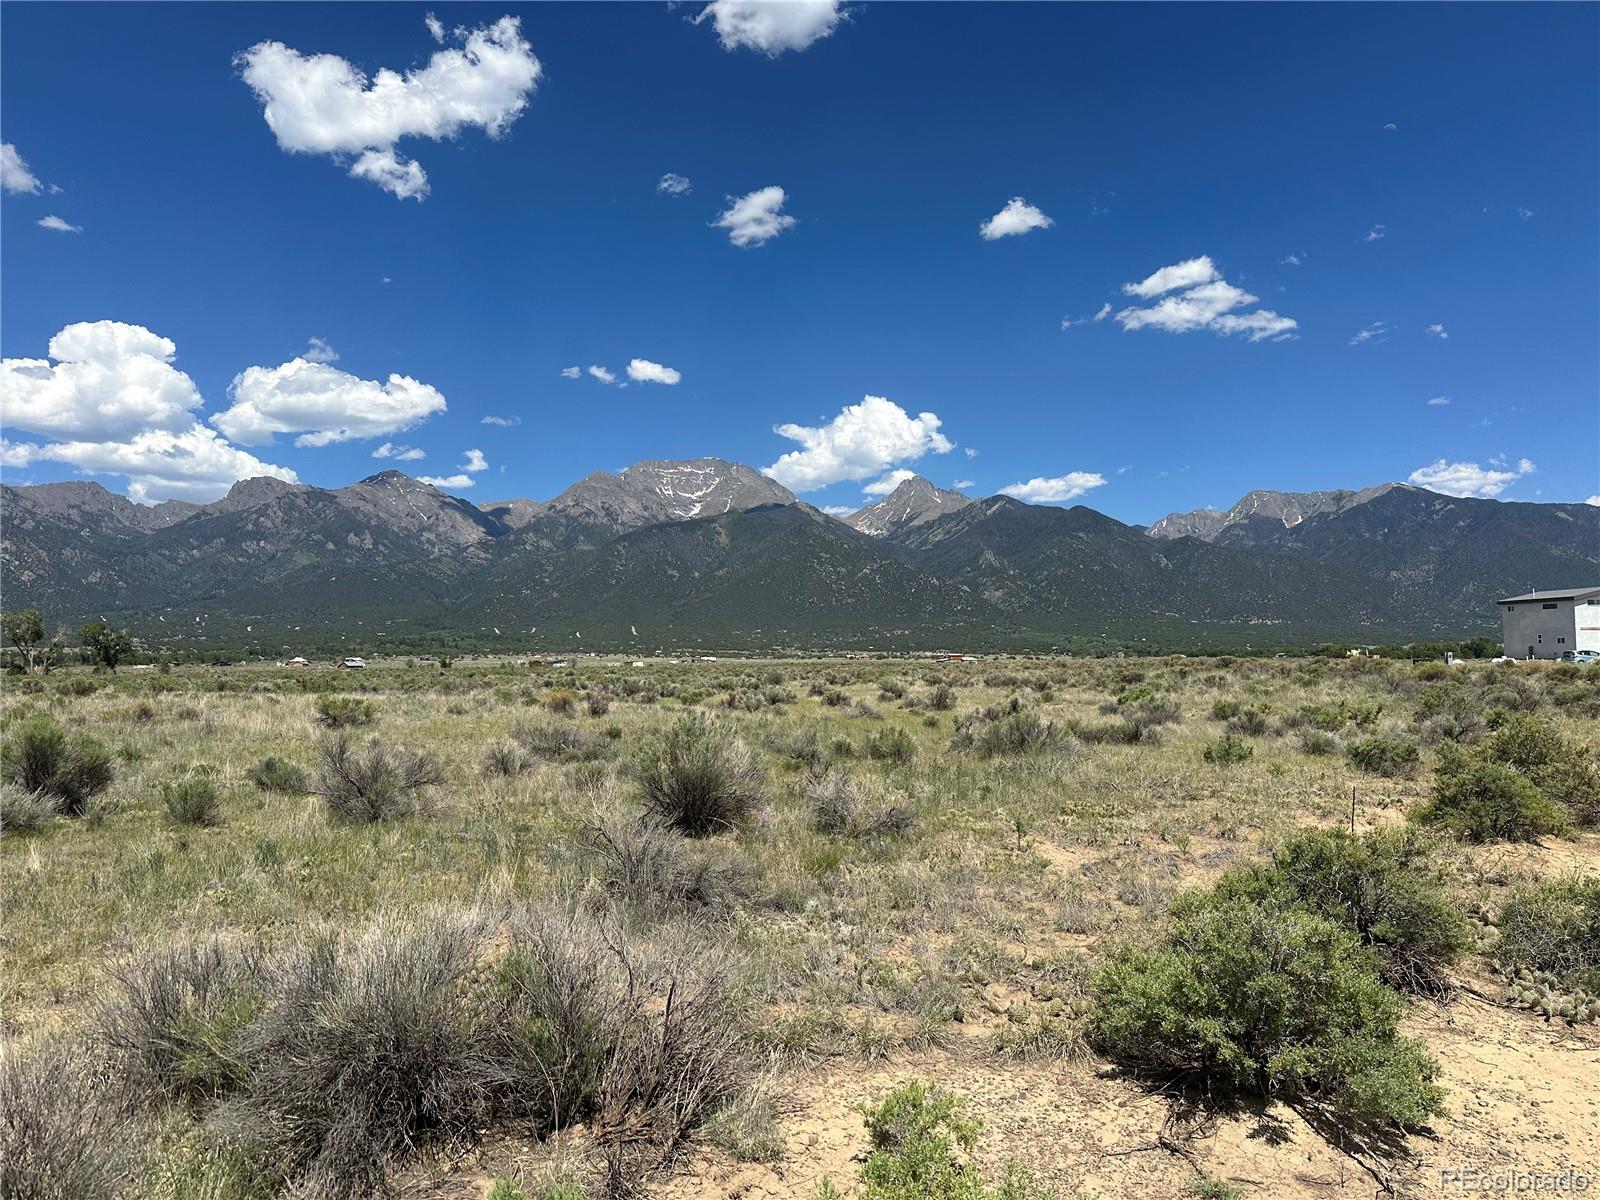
pixel 914 502
pixel 657 490
pixel 1287 508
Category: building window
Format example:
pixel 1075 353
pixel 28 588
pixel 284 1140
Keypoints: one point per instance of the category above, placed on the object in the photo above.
pixel 1511 608
pixel 1548 606
pixel 1561 641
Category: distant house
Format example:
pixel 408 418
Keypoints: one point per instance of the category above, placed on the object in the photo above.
pixel 1547 624
pixel 354 664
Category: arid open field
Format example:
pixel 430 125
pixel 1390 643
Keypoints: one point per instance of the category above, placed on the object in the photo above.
pixel 690 930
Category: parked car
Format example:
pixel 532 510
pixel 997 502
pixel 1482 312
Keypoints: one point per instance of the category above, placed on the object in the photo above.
pixel 1580 656
pixel 354 664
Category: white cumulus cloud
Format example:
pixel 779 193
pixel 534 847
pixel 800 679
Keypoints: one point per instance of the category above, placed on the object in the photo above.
pixel 58 224
pixel 771 26
pixel 1378 331
pixel 399 453
pixel 435 27
pixel 475 462
pixel 318 351
pixel 321 404
pixel 1195 296
pixel 452 483
pixel 1468 478
pixel 1056 488
pixel 865 439
pixel 755 217
pixel 1376 234
pixel 964 484
pixel 885 484
pixel 1016 218
pixel 323 104
pixel 1189 273
pixel 600 373
pixel 837 510
pixel 1438 401
pixel 119 407
pixel 1594 500
pixel 110 380
pixel 14 173
pixel 642 370
pixel 503 422
pixel 1438 331
pixel 571 372
pixel 673 184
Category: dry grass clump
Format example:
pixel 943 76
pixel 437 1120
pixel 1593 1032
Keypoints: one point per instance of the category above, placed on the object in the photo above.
pixel 61 1135
pixel 699 779
pixel 172 1030
pixel 24 811
pixel 650 867
pixel 558 741
pixel 639 1041
pixel 842 803
pixel 370 1050
pixel 379 784
pixel 273 774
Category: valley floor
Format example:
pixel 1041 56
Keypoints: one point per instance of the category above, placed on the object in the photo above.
pixel 955 948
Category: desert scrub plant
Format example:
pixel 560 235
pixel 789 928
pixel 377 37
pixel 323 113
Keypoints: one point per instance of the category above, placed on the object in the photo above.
pixel 61 1136
pixel 22 811
pixel 1252 998
pixel 1228 749
pixel 173 1025
pixel 1386 887
pixel 1485 802
pixel 641 1041
pixel 698 778
pixel 563 702
pixel 597 704
pixel 1022 732
pixel 380 784
pixel 1381 754
pixel 650 867
pixel 558 741
pixel 273 774
pixel 916 1132
pixel 1559 767
pixel 372 1048
pixel 891 745
pixel 1251 722
pixel 834 801
pixel 37 755
pixel 1317 743
pixel 1552 928
pixel 504 761
pixel 942 698
pixel 345 712
pixel 193 798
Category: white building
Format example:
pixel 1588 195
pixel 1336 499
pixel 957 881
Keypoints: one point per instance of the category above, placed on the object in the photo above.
pixel 1547 624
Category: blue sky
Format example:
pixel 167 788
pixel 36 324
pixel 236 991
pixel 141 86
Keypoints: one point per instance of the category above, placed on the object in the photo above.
pixel 1348 169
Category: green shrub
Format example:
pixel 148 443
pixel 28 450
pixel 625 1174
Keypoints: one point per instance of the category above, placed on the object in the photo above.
pixel 1486 802
pixel 273 774
pixel 891 745
pixel 193 799
pixel 699 779
pixel 1380 754
pixel 563 702
pixel 916 1132
pixel 942 698
pixel 1227 749
pixel 1225 710
pixel 1316 742
pixel 1559 767
pixel 37 755
pixel 1251 722
pixel 652 868
pixel 378 785
pixel 1553 927
pixel 747 1128
pixel 1015 733
pixel 1253 998
pixel 345 712
pixel 1385 887
pixel 174 1025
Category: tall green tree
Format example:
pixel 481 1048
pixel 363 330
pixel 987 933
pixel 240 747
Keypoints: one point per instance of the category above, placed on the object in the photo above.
pixel 25 631
pixel 106 646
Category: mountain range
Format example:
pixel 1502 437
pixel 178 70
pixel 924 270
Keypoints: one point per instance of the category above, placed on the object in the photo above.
pixel 701 553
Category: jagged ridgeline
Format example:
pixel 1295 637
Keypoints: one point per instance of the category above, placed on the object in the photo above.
pixel 712 553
